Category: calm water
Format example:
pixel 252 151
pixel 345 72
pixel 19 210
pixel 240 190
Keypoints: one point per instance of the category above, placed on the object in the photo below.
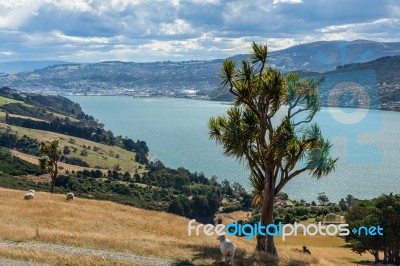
pixel 177 134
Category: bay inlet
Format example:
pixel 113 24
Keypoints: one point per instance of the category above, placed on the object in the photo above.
pixel 177 134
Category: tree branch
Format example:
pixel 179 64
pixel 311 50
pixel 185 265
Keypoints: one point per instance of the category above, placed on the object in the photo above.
pixel 254 167
pixel 309 119
pixel 283 182
pixel 298 111
pixel 231 88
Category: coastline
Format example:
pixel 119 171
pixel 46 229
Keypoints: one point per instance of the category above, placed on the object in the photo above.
pixel 397 110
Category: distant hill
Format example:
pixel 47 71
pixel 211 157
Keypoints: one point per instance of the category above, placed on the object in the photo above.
pixel 24 66
pixel 115 77
pixel 326 55
pixel 171 78
pixel 380 78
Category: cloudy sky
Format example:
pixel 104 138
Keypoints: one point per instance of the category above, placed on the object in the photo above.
pixel 155 30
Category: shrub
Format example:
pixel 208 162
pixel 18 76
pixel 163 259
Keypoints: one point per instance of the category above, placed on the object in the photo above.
pixel 332 218
pixel 84 152
pixel 232 207
pixel 76 161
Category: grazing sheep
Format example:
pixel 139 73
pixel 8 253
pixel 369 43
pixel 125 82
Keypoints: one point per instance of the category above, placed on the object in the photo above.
pixel 227 249
pixel 29 196
pixel 69 196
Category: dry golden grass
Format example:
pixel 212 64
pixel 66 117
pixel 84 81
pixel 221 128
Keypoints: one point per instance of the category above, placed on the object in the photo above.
pixel 235 216
pixel 54 258
pixel 110 226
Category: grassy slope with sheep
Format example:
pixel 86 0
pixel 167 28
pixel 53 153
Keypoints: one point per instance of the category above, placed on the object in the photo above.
pixel 106 166
pixel 109 226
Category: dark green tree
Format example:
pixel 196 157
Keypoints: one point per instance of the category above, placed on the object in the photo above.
pixel 66 150
pixel 49 161
pixel 343 205
pixel 385 212
pixel 176 207
pixel 322 198
pixel 127 176
pixel 350 200
pixel 283 196
pixel 238 189
pixel 213 203
pixel 268 127
pixel 226 188
pixel 200 206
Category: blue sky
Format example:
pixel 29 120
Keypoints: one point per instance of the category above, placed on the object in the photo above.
pixel 146 30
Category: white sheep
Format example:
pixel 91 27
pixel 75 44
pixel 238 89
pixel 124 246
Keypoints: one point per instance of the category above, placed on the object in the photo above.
pixel 29 196
pixel 32 191
pixel 227 249
pixel 69 196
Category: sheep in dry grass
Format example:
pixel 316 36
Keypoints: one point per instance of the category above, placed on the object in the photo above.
pixel 227 249
pixel 69 196
pixel 30 195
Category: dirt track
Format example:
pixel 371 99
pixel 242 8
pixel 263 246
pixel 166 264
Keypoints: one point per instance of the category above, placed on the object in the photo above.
pixel 77 251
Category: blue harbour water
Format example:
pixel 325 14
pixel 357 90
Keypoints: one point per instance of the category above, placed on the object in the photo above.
pixel 366 142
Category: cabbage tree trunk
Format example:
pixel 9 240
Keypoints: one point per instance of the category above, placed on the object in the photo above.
pixel 266 243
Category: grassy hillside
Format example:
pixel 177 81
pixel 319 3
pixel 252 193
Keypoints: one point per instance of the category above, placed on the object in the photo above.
pixel 4 101
pixel 94 162
pixel 109 226
pixel 44 118
pixel 98 155
pixel 2 116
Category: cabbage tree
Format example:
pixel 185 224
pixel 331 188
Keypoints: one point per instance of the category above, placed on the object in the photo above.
pixel 269 127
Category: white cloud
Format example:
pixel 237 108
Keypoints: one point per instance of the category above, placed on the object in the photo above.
pixel 75 5
pixel 170 47
pixel 75 39
pixel 288 1
pixel 334 28
pixel 13 4
pixel 178 27
pixel 93 30
pixel 175 3
pixel 364 30
pixel 282 43
pixel 151 51
pixel 7 53
pixel 14 13
pixel 207 2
